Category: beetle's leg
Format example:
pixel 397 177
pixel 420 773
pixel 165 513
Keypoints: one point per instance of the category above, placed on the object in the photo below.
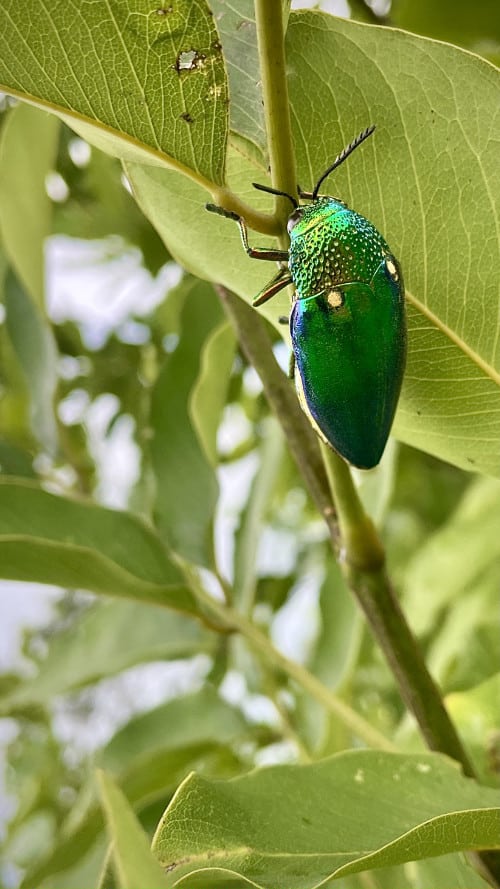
pixel 281 280
pixel 260 252
pixel 291 366
pixel 253 252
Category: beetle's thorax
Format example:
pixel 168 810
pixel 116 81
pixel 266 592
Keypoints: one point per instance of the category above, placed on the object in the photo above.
pixel 332 245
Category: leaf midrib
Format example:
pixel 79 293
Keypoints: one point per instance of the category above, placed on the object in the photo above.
pixel 159 157
pixel 487 369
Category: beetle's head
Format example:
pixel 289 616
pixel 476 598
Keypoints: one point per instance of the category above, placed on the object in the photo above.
pixel 300 211
pixel 295 217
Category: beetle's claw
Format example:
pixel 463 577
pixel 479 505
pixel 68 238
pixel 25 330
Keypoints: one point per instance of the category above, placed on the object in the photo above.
pixel 221 211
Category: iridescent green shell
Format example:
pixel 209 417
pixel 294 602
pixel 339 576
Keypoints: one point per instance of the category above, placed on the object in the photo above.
pixel 348 327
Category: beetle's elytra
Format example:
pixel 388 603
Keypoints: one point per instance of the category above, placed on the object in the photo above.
pixel 347 322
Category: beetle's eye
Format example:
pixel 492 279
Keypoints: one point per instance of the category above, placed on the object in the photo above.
pixel 293 219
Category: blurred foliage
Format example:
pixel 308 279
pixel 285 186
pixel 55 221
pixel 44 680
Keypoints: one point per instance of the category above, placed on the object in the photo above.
pixel 475 26
pixel 99 204
pixel 213 479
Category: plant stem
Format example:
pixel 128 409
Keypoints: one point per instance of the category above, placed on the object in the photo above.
pixel 259 222
pixel 236 621
pixel 270 40
pixel 361 545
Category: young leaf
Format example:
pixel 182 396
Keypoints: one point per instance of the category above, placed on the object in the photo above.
pixel 210 391
pixel 186 483
pixel 25 207
pixel 134 863
pixel 49 539
pixel 33 342
pixel 93 648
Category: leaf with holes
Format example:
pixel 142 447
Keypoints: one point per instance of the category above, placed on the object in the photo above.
pixel 139 79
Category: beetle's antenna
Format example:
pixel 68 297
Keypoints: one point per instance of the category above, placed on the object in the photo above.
pixel 341 158
pixel 281 194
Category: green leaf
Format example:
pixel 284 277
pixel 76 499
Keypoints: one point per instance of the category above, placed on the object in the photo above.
pixel 236 25
pixel 334 653
pixel 475 713
pixel 197 719
pixel 451 591
pixel 86 871
pixel 428 179
pixel 25 208
pixel 134 863
pixel 14 406
pixel 94 648
pixel 34 345
pixel 139 79
pixel 456 557
pixel 45 538
pixel 186 483
pixel 466 645
pixel 254 515
pixel 210 391
pixel 295 826
pixel 448 870
pixel 15 460
pixel 475 26
pixel 175 206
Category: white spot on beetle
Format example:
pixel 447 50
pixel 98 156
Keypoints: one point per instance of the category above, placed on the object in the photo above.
pixel 359 777
pixel 392 269
pixel 423 767
pixel 335 299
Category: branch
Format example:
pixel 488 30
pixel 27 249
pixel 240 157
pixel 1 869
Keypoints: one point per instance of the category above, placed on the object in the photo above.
pixel 270 39
pixel 236 621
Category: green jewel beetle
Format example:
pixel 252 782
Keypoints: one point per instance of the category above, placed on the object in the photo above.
pixel 347 321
